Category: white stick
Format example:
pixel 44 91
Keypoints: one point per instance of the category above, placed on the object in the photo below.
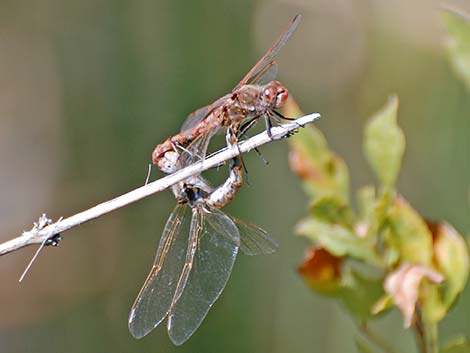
pixel 39 235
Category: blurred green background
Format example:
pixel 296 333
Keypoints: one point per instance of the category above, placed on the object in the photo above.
pixel 88 88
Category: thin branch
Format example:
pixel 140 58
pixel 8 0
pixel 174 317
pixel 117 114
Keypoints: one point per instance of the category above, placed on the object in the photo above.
pixel 39 235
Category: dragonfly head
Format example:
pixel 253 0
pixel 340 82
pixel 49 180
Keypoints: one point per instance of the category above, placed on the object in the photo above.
pixel 168 163
pixel 275 95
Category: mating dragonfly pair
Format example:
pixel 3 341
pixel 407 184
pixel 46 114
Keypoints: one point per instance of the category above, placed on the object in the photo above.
pixel 199 243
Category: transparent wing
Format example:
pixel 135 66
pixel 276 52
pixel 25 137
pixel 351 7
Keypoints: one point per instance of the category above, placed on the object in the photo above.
pixel 267 58
pixel 197 116
pixel 196 150
pixel 193 153
pixel 217 249
pixel 155 297
pixel 254 240
pixel 194 234
pixel 267 75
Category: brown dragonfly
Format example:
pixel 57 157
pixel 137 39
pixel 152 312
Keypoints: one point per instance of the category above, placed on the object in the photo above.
pixel 256 95
pixel 195 257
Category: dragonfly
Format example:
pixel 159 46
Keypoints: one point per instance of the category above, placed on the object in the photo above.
pixel 195 257
pixel 256 95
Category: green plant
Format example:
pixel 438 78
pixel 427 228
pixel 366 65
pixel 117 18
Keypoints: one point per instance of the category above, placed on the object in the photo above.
pixel 383 253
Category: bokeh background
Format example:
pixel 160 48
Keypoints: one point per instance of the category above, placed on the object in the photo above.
pixel 88 88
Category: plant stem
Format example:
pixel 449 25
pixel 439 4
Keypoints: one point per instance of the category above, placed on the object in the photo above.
pixel 375 339
pixel 426 334
pixel 432 337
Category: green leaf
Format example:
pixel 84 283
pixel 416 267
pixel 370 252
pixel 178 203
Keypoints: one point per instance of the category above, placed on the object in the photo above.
pixel 456 345
pixel 365 225
pixel 458 44
pixel 356 285
pixel 332 211
pixel 338 240
pixel 452 260
pixel 409 234
pixel 432 307
pixel 323 173
pixel 383 304
pixel 366 202
pixel 372 212
pixel 384 144
pixel 360 291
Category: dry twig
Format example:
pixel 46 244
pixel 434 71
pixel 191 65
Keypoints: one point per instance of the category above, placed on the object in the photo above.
pixel 45 231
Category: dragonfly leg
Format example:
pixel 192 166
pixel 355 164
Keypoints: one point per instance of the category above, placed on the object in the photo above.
pixel 232 138
pixel 269 125
pixel 265 161
pixel 283 117
pixel 286 118
pixel 247 126
pixel 242 134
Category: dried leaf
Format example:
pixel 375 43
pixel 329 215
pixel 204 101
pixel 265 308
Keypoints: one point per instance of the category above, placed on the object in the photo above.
pixel 321 270
pixel 334 276
pixel 323 173
pixel 384 144
pixel 404 287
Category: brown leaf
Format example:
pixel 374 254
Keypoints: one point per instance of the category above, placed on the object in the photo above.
pixel 320 269
pixel 404 286
pixel 303 167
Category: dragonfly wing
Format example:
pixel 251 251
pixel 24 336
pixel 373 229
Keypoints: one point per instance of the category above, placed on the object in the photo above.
pixel 271 53
pixel 155 297
pixel 196 150
pixel 217 249
pixel 197 116
pixel 267 75
pixel 254 240
pixel 194 233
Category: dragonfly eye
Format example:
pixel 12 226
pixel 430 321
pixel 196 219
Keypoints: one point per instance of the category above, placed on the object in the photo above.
pixel 269 94
pixel 281 97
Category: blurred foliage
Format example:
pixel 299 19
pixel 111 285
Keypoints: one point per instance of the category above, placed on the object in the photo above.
pixel 458 43
pixel 457 345
pixel 384 144
pixel 382 253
